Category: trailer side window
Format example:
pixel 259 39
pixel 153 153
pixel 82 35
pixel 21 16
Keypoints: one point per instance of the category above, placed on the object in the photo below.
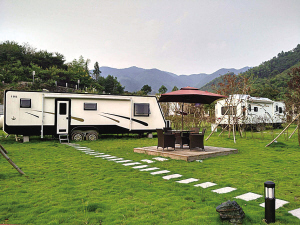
pixel 280 109
pixel 141 109
pixel 62 108
pixel 249 107
pixel 25 103
pixel 276 110
pixel 255 109
pixel 229 110
pixel 90 106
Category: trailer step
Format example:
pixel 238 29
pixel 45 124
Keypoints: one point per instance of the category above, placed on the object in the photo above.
pixel 64 138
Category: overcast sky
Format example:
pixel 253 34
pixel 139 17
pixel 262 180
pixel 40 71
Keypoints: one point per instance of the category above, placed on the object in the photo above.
pixel 178 36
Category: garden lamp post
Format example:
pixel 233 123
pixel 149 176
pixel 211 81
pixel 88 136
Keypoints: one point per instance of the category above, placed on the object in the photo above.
pixel 270 202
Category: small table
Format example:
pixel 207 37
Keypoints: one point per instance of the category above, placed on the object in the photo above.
pixel 183 137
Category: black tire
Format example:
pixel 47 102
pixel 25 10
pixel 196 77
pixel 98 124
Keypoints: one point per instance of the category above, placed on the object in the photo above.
pixel 92 136
pixel 77 136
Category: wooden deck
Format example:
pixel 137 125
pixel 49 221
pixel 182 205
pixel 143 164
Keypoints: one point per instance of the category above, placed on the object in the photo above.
pixel 185 153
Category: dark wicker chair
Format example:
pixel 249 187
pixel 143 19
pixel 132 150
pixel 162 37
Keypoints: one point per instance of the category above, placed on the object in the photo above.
pixel 184 139
pixel 165 140
pixel 197 140
pixel 167 129
pixel 195 130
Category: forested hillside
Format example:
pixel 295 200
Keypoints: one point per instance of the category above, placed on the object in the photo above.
pixel 17 63
pixel 270 78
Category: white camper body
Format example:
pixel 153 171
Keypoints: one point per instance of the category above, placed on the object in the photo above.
pixel 250 111
pixel 79 115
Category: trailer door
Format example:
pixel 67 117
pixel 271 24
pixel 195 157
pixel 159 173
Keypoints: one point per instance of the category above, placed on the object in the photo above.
pixel 62 117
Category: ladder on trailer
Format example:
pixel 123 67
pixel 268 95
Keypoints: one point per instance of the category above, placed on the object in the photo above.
pixel 64 138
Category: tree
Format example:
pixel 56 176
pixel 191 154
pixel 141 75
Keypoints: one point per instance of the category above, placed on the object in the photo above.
pixel 175 88
pixel 146 89
pixel 293 95
pixel 111 85
pixel 96 71
pixel 162 89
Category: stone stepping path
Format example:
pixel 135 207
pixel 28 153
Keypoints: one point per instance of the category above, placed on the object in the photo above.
pixel 160 172
pixel 150 169
pixel 278 203
pixel 249 196
pixel 224 190
pixel 187 181
pixel 168 177
pixel 205 185
pixel 160 159
pixel 147 161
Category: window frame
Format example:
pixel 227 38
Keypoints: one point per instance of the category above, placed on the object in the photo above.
pixel 90 109
pixel 23 100
pixel 231 111
pixel 136 105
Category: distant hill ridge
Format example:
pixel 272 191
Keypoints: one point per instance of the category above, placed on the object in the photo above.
pixel 134 78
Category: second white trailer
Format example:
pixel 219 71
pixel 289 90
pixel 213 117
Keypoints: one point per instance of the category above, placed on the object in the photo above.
pixel 250 111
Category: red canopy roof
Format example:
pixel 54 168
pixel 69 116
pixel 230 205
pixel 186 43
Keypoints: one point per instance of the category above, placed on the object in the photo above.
pixel 190 95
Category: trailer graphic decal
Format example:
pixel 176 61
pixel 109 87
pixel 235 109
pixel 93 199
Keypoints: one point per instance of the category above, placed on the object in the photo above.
pixel 110 118
pixel 32 114
pixel 72 117
pixel 125 117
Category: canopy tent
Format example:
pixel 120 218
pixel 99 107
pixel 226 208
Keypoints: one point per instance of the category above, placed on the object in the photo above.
pixel 190 95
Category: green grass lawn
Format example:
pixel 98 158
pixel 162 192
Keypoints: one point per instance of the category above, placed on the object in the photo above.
pixel 65 186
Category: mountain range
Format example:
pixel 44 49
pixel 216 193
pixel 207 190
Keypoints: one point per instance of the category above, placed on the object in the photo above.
pixel 134 78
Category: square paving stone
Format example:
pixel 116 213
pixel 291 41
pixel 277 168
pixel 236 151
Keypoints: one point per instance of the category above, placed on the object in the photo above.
pixel 168 177
pixel 278 203
pixel 160 159
pixel 249 196
pixel 224 190
pixel 123 161
pixel 140 167
pixel 131 164
pixel 187 181
pixel 150 169
pixel 160 172
pixel 295 212
pixel 205 185
pixel 117 159
pixel 147 161
pixel 111 157
pixel 103 156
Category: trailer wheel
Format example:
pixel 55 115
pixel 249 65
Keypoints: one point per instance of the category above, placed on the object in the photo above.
pixel 92 136
pixel 77 136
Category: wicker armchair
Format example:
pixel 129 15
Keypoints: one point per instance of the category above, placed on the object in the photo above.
pixel 165 140
pixel 197 140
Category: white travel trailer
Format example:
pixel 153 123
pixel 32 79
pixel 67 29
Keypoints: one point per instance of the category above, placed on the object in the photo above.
pixel 250 111
pixel 81 116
